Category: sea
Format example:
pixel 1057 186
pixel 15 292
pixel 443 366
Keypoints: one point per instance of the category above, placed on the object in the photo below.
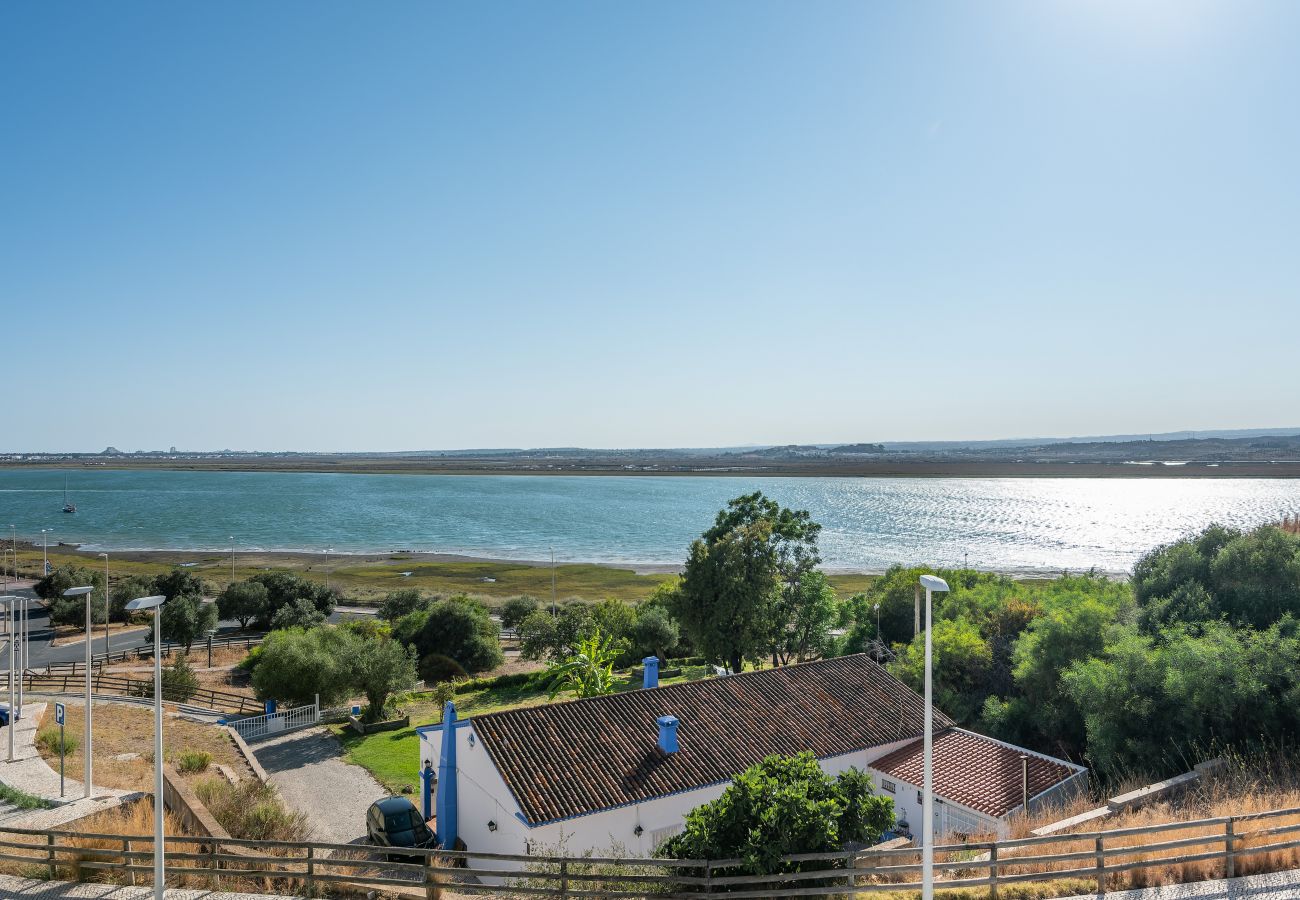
pixel 1020 525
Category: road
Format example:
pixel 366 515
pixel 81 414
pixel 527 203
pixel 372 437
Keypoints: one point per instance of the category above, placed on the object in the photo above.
pixel 41 653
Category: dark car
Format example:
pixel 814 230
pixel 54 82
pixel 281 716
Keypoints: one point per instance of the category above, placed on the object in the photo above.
pixel 395 822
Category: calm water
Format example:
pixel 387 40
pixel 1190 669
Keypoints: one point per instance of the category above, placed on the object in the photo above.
pixel 869 523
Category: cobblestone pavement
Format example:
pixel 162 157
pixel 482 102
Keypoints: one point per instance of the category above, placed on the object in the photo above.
pixel 312 776
pixel 29 889
pixel 1273 886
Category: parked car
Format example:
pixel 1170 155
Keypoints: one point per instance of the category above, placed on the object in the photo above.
pixel 395 822
pixel 4 714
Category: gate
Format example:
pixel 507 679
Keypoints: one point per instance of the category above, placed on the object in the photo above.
pixel 256 727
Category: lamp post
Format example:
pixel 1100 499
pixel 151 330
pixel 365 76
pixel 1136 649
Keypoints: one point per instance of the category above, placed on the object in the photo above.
pixel 156 604
pixel 232 559
pixel 45 551
pixel 108 607
pixel 931 583
pixel 9 603
pixel 13 531
pixel 86 592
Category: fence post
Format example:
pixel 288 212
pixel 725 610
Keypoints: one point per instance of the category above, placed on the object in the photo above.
pixel 49 850
pixel 993 872
pixel 1101 866
pixel 126 855
pixel 1230 849
pixel 708 877
pixel 432 887
pixel 310 880
pixel 564 878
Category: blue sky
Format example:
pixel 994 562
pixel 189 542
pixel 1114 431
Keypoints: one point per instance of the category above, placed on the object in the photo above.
pixel 423 225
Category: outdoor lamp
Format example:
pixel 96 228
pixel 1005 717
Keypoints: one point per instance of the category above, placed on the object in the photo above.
pixel 85 591
pixel 931 583
pixel 156 604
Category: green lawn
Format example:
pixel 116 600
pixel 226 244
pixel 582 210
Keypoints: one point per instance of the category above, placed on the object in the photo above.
pixel 393 757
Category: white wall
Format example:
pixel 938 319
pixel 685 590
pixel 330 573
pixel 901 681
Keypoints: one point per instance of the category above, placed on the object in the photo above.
pixel 908 808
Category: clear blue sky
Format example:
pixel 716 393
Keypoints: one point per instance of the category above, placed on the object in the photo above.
pixel 413 225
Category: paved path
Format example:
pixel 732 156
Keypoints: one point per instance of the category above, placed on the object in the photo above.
pixel 30 773
pixel 1274 886
pixel 29 889
pixel 309 770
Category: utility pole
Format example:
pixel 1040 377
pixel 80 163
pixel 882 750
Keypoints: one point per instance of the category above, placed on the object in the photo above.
pixel 554 607
pixel 232 559
pixel 108 608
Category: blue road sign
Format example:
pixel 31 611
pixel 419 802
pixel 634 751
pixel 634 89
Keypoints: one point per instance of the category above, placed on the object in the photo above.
pixel 58 714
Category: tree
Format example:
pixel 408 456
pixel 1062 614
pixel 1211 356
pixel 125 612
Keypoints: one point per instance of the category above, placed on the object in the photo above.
pixel 552 635
pixel 179 683
pixel 301 613
pixel 729 591
pixel 961 664
pixel 243 601
pixel 401 603
pixel 285 588
pixel 178 583
pixel 653 632
pixel 806 613
pixel 72 610
pixel 516 609
pixel 295 666
pixel 781 806
pixel 459 629
pixel 126 590
pixel 588 671
pixel 185 619
pixel 380 667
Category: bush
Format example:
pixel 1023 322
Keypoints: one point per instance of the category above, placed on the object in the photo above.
pixel 436 668
pixel 401 603
pixel 179 683
pixel 301 613
pixel 295 665
pixel 48 740
pixel 192 762
pixel 243 601
pixel 443 693
pixel 516 609
pixel 252 811
pixel 286 588
pixel 458 628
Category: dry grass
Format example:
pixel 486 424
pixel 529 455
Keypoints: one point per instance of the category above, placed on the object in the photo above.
pixel 1290 523
pixel 121 729
pixel 224 675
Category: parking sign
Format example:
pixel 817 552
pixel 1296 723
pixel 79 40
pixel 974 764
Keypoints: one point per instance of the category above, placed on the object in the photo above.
pixel 58 714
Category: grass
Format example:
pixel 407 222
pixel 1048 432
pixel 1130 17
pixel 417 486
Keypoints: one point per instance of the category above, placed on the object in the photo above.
pixel 252 811
pixel 393 757
pixel 191 762
pixel 47 739
pixel 127 731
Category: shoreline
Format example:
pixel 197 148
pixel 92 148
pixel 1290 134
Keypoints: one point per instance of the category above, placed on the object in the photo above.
pixel 216 558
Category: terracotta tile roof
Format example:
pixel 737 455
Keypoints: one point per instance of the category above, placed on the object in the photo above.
pixel 570 759
pixel 977 772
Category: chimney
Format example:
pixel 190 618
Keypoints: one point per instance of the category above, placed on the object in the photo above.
pixel 1024 781
pixel 651 678
pixel 668 733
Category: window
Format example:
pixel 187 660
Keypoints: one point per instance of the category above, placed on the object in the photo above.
pixel 889 786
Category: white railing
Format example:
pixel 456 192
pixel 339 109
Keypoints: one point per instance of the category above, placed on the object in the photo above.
pixel 278 722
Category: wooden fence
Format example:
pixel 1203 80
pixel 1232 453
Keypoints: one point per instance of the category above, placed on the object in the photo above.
pixel 122 686
pixel 1226 844
pixel 99 660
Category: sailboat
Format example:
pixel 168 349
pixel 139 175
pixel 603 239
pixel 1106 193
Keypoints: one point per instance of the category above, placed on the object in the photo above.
pixel 67 507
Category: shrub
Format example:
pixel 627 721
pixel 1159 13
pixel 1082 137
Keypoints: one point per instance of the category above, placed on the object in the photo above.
pixel 516 609
pixel 301 613
pixel 458 628
pixel 48 740
pixel 443 693
pixel 243 601
pixel 436 668
pixel 401 603
pixel 179 683
pixel 191 762
pixel 252 811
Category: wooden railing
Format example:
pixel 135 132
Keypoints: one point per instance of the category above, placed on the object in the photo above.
pixel 312 868
pixel 122 686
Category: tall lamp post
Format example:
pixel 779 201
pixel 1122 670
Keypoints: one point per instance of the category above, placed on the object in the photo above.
pixel 86 591
pixel 10 603
pixel 108 607
pixel 931 583
pixel 156 604
pixel 45 551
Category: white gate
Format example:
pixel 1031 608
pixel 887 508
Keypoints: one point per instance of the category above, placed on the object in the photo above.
pixel 256 727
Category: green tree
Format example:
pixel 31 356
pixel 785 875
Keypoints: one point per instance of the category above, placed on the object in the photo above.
pixel 588 671
pixel 516 609
pixel 72 610
pixel 548 635
pixel 380 667
pixel 185 619
pixel 286 588
pixel 294 666
pixel 179 683
pixel 301 613
pixel 806 613
pixel 243 601
pixel 400 603
pixel 456 628
pixel 961 664
pixel 653 632
pixel 178 583
pixel 782 806
pixel 126 590
pixel 729 592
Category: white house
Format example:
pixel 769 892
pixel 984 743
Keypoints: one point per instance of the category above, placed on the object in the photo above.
pixel 623 770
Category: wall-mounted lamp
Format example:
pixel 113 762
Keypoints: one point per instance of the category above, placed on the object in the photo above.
pixel 638 830
pixel 471 740
pixel 492 825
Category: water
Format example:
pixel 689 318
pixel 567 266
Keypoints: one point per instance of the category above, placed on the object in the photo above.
pixel 868 523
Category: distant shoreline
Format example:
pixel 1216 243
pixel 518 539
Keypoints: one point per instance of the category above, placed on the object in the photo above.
pixel 810 469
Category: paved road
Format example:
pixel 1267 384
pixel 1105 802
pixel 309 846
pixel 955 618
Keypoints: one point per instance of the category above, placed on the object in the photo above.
pixel 309 770
pixel 1274 886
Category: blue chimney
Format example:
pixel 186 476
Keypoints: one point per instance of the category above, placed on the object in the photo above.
pixel 447 803
pixel 668 733
pixel 651 679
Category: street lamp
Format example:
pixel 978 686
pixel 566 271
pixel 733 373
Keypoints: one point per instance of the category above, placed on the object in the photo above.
pixel 45 551
pixel 108 609
pixel 9 603
pixel 156 604
pixel 931 583
pixel 85 591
